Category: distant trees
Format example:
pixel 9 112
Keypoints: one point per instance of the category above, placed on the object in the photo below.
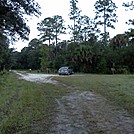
pixel 29 57
pixel 119 41
pixel 86 51
pixel 105 14
pixel 50 28
pixel 33 54
pixel 74 15
pixel 87 28
pixel 46 30
pixel 44 57
pixel 88 57
pixel 130 33
pixel 58 27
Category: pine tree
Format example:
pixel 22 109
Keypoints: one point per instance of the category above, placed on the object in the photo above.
pixel 105 14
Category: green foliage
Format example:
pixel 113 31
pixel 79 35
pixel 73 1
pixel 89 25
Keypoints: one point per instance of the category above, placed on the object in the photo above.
pixel 86 51
pixel 105 9
pixel 74 10
pixel 13 26
pixel 12 20
pixel 119 41
pixel 44 57
pixel 74 15
pixel 130 35
pixel 5 52
pixel 89 57
pixel 50 28
pixel 127 57
pixel 46 29
pixel 58 27
pixel 29 57
pixel 105 15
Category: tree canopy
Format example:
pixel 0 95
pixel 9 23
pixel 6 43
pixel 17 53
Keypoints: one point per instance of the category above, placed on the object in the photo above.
pixel 105 15
pixel 74 15
pixel 50 28
pixel 13 25
pixel 85 52
pixel 12 19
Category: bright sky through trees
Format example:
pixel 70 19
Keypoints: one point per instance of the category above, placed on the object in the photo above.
pixel 61 7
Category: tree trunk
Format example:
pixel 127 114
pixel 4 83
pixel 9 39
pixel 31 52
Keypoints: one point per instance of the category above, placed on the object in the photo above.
pixel 105 32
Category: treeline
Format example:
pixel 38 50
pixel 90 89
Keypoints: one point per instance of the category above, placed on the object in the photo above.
pixel 88 56
pixel 89 50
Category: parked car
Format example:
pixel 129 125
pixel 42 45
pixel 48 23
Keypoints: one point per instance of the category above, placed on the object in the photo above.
pixel 65 70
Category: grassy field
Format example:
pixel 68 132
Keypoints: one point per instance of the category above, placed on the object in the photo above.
pixel 119 89
pixel 26 107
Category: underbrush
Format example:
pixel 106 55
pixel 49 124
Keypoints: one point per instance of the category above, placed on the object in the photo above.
pixel 26 105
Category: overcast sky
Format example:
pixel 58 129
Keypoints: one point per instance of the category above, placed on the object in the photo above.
pixel 61 7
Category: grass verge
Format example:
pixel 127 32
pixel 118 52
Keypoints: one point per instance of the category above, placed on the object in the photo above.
pixel 26 107
pixel 116 88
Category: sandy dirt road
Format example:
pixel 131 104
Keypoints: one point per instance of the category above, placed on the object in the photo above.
pixel 85 112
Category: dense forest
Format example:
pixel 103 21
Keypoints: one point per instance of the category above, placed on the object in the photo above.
pixel 89 50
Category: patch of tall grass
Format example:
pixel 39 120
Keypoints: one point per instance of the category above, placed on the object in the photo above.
pixel 26 105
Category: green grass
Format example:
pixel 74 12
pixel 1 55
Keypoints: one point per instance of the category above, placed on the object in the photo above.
pixel 24 105
pixel 119 89
pixel 27 106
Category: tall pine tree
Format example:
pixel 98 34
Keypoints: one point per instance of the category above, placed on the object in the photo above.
pixel 105 14
pixel 74 15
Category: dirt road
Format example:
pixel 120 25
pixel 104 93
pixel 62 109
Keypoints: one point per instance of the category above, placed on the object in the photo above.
pixel 85 112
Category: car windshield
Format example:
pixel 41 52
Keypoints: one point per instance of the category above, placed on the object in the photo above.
pixel 63 68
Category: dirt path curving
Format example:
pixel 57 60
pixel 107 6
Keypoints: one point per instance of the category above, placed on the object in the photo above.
pixel 85 112
pixel 38 78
